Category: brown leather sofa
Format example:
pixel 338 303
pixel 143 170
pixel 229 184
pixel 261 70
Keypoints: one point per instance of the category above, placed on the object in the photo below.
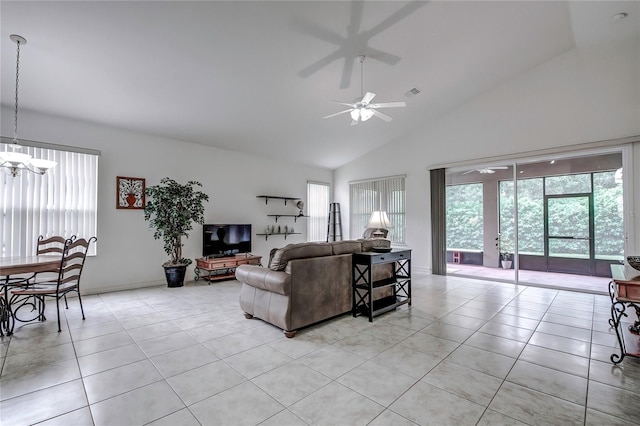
pixel 304 283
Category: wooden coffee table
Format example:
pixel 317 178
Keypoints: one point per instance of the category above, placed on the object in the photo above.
pixel 222 268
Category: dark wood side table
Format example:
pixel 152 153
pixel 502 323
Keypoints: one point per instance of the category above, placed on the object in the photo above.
pixel 624 291
pixel 364 284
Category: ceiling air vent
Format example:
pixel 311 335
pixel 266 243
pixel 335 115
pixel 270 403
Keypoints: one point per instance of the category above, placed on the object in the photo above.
pixel 412 92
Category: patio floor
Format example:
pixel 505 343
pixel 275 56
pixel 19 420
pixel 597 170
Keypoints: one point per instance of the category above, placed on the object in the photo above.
pixel 588 284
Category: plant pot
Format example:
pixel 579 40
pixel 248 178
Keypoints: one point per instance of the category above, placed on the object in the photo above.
pixel 506 264
pixel 175 275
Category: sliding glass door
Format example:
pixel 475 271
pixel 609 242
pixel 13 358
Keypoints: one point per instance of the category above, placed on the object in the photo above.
pixel 555 221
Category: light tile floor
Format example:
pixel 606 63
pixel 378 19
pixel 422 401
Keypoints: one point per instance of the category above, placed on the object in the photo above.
pixel 467 352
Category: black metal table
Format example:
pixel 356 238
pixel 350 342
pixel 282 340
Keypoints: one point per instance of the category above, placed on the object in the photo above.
pixel 364 283
pixel 624 291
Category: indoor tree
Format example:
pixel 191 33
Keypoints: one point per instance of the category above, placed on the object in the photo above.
pixel 171 210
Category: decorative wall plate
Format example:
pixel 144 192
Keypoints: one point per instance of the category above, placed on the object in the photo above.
pixel 130 192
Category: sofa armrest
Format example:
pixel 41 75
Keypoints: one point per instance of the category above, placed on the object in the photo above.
pixel 264 278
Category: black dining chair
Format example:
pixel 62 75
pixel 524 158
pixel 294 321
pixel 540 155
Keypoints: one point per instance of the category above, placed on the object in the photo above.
pixel 52 246
pixel 68 278
pixel 6 319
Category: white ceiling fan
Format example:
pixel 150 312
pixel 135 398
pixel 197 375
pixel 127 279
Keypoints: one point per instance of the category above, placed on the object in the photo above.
pixel 486 170
pixel 364 109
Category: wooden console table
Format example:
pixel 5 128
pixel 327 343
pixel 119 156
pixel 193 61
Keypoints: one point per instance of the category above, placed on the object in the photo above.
pixel 363 283
pixel 222 268
pixel 624 291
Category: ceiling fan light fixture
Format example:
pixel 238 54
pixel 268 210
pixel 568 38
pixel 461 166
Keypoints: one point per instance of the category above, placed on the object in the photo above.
pixel 363 109
pixel 365 114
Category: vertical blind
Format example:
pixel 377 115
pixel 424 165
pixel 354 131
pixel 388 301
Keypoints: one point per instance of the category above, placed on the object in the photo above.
pixel 317 210
pixel 386 194
pixel 61 202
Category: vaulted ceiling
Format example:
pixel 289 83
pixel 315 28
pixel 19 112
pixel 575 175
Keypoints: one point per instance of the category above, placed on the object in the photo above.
pixel 257 77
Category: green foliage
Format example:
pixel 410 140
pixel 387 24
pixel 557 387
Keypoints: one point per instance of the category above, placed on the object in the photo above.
pixel 464 215
pixel 609 226
pixel 171 210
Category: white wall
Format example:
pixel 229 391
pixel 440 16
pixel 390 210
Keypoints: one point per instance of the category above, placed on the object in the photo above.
pixel 128 256
pixel 575 98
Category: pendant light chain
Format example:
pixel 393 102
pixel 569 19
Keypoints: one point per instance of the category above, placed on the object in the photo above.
pixel 361 76
pixel 15 112
pixel 14 160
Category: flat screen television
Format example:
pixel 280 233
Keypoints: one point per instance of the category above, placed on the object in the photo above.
pixel 221 240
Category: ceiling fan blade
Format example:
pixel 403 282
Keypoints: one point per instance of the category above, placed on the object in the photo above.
pixel 389 105
pixel 384 57
pixel 347 71
pixel 344 103
pixel 312 29
pixel 337 113
pixel 499 168
pixel 382 116
pixel 368 97
pixel 469 171
pixel 356 18
pixel 319 64
pixel 397 16
pixel 354 122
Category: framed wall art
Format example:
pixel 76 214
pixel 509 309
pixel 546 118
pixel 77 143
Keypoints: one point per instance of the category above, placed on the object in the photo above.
pixel 129 192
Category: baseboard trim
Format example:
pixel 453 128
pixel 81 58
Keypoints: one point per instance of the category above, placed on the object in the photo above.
pixel 129 286
pixel 422 270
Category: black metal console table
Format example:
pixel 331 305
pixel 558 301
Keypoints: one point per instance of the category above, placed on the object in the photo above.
pixel 624 291
pixel 364 283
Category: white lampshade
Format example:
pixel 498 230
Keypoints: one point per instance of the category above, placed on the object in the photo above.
pixel 41 165
pixel 361 113
pixel 379 220
pixel 14 159
pixel 365 114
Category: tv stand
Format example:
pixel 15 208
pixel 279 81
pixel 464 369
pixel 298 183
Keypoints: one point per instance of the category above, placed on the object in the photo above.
pixel 219 256
pixel 222 268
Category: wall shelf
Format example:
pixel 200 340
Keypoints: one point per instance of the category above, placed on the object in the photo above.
pixel 266 236
pixel 294 216
pixel 273 197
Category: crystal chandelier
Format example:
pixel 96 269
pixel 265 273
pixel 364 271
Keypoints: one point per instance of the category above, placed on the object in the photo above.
pixel 14 160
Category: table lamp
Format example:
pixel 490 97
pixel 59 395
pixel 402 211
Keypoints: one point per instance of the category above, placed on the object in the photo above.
pixel 379 220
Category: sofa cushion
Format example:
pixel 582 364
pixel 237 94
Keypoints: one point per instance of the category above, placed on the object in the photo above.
pixel 346 247
pixel 298 251
pixel 271 253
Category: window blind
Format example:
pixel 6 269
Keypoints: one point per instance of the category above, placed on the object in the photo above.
pixel 386 194
pixel 317 210
pixel 61 202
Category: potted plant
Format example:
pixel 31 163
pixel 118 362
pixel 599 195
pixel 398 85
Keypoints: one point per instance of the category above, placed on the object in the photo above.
pixel 171 210
pixel 505 248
